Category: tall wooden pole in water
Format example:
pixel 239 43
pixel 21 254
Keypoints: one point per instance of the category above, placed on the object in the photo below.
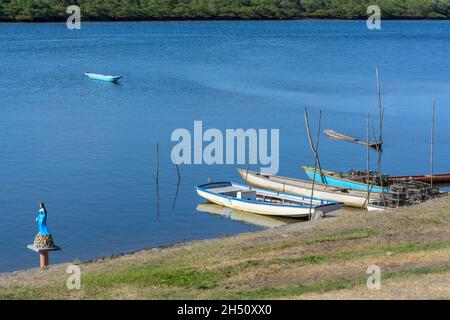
pixel 380 125
pixel 380 108
pixel 432 141
pixel 157 180
pixel 368 155
pixel 308 131
pixel 316 155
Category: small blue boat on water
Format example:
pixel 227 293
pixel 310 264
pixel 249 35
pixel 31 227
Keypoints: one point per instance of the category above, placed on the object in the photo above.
pixel 340 180
pixel 102 77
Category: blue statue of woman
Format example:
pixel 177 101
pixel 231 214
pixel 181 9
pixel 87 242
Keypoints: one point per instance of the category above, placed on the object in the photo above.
pixel 43 239
pixel 42 220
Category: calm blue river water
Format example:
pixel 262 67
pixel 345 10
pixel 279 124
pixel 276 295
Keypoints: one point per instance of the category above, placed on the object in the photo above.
pixel 88 148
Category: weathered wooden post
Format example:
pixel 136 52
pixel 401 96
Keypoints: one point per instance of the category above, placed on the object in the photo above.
pixel 316 155
pixel 43 241
pixel 432 141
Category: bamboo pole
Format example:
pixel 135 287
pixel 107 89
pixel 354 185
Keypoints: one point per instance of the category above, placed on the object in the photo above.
pixel 157 180
pixel 369 190
pixel 368 155
pixel 379 151
pixel 432 140
pixel 246 174
pixel 178 187
pixel 178 174
pixel 316 156
pixel 157 162
pixel 380 108
pixel 380 126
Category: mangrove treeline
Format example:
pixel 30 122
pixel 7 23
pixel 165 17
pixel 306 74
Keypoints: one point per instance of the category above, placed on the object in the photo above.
pixel 107 10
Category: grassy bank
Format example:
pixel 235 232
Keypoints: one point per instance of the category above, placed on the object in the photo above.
pixel 320 259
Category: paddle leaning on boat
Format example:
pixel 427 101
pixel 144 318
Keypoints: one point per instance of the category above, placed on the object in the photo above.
pixel 265 202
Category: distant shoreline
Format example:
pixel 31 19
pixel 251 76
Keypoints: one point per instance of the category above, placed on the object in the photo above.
pixel 220 10
pixel 225 20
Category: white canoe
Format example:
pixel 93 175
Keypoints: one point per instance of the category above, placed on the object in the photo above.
pixel 266 202
pixel 351 198
pixel 102 77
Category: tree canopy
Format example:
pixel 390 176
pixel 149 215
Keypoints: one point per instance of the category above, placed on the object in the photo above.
pixel 110 10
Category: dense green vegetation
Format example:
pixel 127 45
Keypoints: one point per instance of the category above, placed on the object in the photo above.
pixel 104 10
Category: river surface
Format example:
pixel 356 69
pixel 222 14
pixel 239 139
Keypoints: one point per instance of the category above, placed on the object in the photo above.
pixel 88 148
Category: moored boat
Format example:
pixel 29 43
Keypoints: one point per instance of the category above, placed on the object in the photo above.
pixel 340 179
pixel 351 198
pixel 102 77
pixel 438 179
pixel 265 202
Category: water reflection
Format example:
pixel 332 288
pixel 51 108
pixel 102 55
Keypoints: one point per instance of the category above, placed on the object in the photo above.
pixel 256 219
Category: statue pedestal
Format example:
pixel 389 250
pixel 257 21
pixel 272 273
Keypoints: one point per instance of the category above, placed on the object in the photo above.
pixel 43 254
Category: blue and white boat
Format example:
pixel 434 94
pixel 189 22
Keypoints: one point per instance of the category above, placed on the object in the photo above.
pixel 338 179
pixel 102 77
pixel 265 202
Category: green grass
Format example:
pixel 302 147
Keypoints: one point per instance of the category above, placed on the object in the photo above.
pixel 267 293
pixel 33 293
pixel 159 275
pixel 178 275
pixel 331 285
pixel 203 279
pixel 415 271
pixel 346 235
pixel 349 255
pixel 303 260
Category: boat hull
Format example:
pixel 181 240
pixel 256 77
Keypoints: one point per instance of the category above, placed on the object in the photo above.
pixel 350 198
pixel 269 209
pixel 338 182
pixel 101 77
pixel 442 180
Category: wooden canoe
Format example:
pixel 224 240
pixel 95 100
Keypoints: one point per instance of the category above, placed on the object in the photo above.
pixel 339 179
pixel 438 179
pixel 351 198
pixel 102 77
pixel 266 202
pixel 336 135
